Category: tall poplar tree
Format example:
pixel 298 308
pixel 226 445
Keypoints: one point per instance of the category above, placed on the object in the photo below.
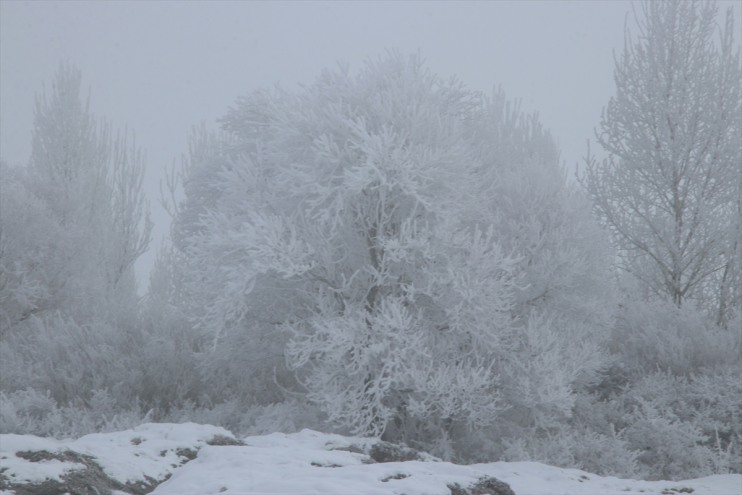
pixel 669 188
pixel 90 178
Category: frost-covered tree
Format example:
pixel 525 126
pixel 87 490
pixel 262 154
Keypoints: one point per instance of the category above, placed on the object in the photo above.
pixel 88 181
pixel 72 224
pixel 360 230
pixel 348 222
pixel 543 218
pixel 564 300
pixel 28 245
pixel 669 188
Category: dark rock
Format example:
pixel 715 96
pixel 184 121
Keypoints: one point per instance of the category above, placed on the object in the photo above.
pixel 90 480
pixel 353 449
pixel 221 440
pixel 390 452
pixel 188 454
pixel 398 476
pixel 486 485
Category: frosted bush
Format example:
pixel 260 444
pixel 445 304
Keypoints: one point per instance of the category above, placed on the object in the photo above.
pixel 576 447
pixel 289 416
pixel 32 412
pixel 651 336
pixel 679 426
pixel 672 448
pixel 70 360
pixel 29 411
pixel 686 424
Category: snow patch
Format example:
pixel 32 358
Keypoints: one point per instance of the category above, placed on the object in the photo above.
pixel 307 462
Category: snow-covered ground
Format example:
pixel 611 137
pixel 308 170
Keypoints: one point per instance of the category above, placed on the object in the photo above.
pixel 200 460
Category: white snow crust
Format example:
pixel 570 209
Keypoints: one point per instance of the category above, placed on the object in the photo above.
pixel 307 462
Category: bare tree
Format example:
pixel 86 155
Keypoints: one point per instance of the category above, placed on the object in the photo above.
pixel 669 187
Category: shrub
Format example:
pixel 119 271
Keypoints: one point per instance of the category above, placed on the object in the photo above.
pixel 576 447
pixel 658 336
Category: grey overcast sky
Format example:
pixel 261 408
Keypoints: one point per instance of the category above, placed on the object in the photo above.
pixel 159 67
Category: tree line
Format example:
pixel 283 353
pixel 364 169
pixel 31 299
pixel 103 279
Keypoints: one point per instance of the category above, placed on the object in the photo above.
pixel 389 253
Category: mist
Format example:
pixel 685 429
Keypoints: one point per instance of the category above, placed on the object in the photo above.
pixel 504 237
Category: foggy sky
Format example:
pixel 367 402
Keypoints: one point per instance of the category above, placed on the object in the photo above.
pixel 161 67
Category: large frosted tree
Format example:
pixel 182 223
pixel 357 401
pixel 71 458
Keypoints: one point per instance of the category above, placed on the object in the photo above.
pixel 669 188
pixel 349 220
pixel 382 234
